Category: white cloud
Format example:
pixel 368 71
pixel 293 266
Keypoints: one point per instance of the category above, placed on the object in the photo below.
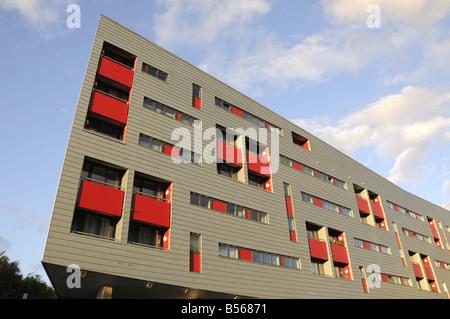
pixel 46 17
pixel 400 127
pixel 416 13
pixel 197 22
pixel 446 188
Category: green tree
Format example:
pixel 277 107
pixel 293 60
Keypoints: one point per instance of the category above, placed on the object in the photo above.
pixel 13 285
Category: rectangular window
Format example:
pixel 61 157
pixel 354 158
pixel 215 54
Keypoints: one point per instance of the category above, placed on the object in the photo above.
pixel 300 140
pixel 163 76
pixel 195 253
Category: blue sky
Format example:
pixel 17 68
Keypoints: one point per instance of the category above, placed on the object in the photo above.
pixel 380 95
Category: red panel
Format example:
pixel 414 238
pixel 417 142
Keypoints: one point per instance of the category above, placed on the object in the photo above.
pixel 229 153
pixel 318 249
pixel 363 205
pixel 339 253
pixel 377 210
pixel 258 164
pixel 292 236
pixel 366 245
pixel 109 107
pixel 395 207
pixel 429 273
pixel 384 278
pixel 297 166
pixel 417 270
pixel 116 72
pixel 169 149
pixel 222 207
pixel 364 284
pixel 100 198
pixel 196 103
pixel 289 206
pixel 194 262
pixel 245 254
pixel 151 210
pixel 236 111
pixel 433 229
pixel 317 202
pixel 166 239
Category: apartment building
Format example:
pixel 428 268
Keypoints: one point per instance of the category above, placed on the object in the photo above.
pixel 260 209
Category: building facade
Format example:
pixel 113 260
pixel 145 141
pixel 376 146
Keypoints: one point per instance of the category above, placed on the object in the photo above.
pixel 151 204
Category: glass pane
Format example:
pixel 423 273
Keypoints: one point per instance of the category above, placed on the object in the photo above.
pixel 241 212
pixel 232 252
pixel 194 199
pixel 205 202
pixel 275 260
pixel 266 258
pixel 113 178
pixel 185 119
pixel 170 112
pixel 231 209
pixel 98 173
pixel 287 261
pixel 156 145
pixel 148 104
pixel 196 91
pixel 159 108
pixel 195 243
pixel 257 257
pixel 253 215
pixel 223 251
pixel 144 140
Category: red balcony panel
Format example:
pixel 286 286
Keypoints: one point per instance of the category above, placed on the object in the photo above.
pixel 377 210
pixel 151 210
pixel 363 205
pixel 116 72
pixel 297 166
pixel 384 278
pixel 228 153
pixel 258 164
pixel 166 239
pixel 236 111
pixel 100 198
pixel 221 207
pixel 194 262
pixel 289 210
pixel 417 270
pixel 366 245
pixel 196 102
pixel 109 107
pixel 170 150
pixel 429 273
pixel 318 249
pixel 245 254
pixel 318 202
pixel 339 253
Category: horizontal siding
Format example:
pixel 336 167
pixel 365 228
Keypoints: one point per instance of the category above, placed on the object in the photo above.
pixel 219 273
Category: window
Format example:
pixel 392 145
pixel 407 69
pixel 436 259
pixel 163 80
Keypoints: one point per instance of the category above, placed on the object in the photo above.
pixel 300 140
pixel 171 112
pixel 146 235
pixel 155 72
pixel 101 173
pixel 248 116
pixel 230 208
pixel 195 253
pixel 94 224
pixel 196 96
pixel 258 256
pixel 100 126
pixel 317 266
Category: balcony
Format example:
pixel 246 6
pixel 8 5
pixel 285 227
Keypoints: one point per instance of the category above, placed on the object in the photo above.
pixel 377 210
pixel 109 107
pixel 229 154
pixel 363 205
pixel 116 71
pixel 100 198
pixel 150 210
pixel 258 164
pixel 318 249
pixel 339 253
